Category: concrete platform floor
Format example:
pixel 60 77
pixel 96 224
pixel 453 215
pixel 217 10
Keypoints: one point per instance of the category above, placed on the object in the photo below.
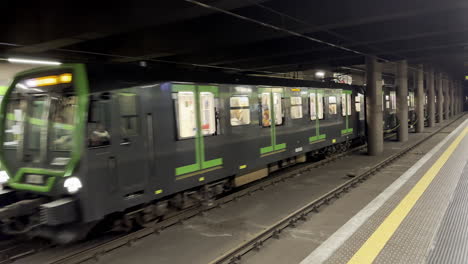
pixel 203 238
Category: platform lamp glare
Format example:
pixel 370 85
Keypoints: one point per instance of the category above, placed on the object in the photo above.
pixel 320 74
pixel 73 185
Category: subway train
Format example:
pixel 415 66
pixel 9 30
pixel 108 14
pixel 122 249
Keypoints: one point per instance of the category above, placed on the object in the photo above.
pixel 123 144
pixel 389 106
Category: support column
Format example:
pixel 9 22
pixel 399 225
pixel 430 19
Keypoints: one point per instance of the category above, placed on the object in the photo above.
pixel 374 106
pixel 452 99
pixel 446 98
pixel 430 98
pixel 455 96
pixel 440 98
pixel 462 97
pixel 402 100
pixel 419 99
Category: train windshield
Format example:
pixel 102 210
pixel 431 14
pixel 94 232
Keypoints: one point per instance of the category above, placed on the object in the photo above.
pixel 40 119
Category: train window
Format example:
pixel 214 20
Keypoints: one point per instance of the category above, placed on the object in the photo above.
pixel 37 108
pixel 186 114
pixel 14 122
pixel 98 124
pixel 332 105
pixel 266 106
pixel 393 99
pixel 357 104
pixel 63 109
pixel 277 103
pixel 207 113
pixel 345 104
pixel 128 114
pixel 296 107
pixel 316 106
pixel 411 99
pixel 240 110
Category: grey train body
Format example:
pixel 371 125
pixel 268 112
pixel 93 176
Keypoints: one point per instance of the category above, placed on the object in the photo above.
pixel 139 168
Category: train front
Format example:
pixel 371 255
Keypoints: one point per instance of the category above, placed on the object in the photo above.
pixel 41 137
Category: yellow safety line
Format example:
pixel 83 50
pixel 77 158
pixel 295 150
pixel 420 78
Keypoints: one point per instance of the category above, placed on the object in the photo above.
pixel 375 243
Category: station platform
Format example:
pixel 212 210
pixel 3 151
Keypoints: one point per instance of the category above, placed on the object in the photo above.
pixel 422 217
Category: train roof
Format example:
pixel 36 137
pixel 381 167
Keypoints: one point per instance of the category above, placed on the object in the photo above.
pixel 104 77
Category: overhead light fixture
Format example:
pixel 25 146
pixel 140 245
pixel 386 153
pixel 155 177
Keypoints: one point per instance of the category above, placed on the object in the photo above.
pixel 43 62
pixel 320 74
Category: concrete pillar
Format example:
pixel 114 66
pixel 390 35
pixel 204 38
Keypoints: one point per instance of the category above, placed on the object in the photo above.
pixel 446 98
pixel 462 97
pixel 402 99
pixel 440 97
pixel 419 99
pixel 430 98
pixel 457 97
pixel 452 99
pixel 374 106
pixel 449 95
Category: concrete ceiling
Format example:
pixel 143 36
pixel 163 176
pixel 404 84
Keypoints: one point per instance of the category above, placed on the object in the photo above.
pixel 251 35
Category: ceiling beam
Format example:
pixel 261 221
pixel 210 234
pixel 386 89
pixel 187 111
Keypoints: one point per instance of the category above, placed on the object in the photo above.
pixel 146 18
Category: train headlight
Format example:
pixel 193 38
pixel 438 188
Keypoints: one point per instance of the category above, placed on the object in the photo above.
pixel 72 184
pixel 4 177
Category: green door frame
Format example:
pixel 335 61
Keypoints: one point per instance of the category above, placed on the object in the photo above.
pixel 201 165
pixel 318 137
pixel 347 130
pixel 273 148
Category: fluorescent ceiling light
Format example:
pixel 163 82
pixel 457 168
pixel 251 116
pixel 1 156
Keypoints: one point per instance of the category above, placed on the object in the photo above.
pixel 43 62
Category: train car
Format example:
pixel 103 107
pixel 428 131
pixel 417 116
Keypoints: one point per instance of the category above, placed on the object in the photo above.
pixel 85 143
pixel 390 121
pixel 3 90
pixel 390 118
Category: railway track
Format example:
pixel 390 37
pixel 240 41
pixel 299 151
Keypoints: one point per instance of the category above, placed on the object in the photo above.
pixel 234 256
pixel 12 250
pixel 86 253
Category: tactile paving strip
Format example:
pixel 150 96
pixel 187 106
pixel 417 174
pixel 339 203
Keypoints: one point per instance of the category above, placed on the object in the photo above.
pixel 451 243
pixel 412 240
pixel 404 247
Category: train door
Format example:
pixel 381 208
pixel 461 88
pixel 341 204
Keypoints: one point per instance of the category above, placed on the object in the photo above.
pixel 198 132
pixel 130 148
pixel 272 116
pixel 346 111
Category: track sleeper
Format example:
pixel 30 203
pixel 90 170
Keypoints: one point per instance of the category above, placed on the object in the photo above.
pixel 276 233
pixel 258 245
